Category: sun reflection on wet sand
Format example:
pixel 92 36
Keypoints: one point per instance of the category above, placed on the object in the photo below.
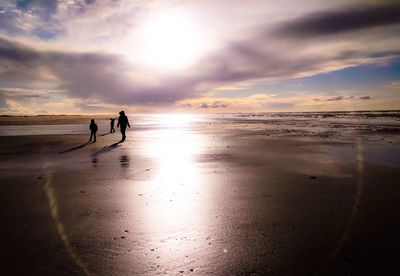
pixel 175 210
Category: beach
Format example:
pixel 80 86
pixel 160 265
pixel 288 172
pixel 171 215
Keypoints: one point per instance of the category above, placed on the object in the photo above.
pixel 228 194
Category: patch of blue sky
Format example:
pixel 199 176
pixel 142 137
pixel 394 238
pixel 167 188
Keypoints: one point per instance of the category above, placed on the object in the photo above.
pixel 45 5
pixel 12 14
pixel 48 34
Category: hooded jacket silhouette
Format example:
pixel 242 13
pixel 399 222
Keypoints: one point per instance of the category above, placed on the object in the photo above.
pixel 123 122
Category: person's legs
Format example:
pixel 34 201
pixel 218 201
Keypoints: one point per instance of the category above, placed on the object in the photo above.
pixel 91 135
pixel 94 137
pixel 123 132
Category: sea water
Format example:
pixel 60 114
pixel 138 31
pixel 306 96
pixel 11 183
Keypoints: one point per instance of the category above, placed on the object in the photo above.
pixel 281 122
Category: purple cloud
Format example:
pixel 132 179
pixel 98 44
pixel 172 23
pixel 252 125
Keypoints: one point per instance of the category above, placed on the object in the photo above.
pixel 345 20
pixel 263 55
pixel 216 104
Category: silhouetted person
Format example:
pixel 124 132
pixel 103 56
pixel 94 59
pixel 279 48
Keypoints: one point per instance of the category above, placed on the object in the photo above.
pixel 112 120
pixel 123 122
pixel 93 129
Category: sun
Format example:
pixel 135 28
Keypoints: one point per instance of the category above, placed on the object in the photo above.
pixel 169 40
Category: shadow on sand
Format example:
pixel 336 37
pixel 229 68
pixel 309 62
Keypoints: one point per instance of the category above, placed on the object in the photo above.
pixel 76 147
pixel 107 148
pixel 124 161
pixel 105 134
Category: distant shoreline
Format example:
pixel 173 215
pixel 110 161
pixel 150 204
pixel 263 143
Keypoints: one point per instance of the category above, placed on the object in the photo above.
pixel 391 115
pixel 260 112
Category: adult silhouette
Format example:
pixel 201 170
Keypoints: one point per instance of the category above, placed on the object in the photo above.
pixel 93 129
pixel 112 120
pixel 123 122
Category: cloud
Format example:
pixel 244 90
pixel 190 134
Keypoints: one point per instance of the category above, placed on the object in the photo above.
pixel 258 60
pixel 264 54
pixel 256 102
pixel 84 75
pixel 3 103
pixel 215 104
pixel 13 107
pixel 342 98
pixel 335 99
pixel 24 17
pixel 265 102
pixel 11 94
pixel 393 85
pixel 345 20
pixel 110 78
pixel 19 101
pixel 338 98
pixel 43 19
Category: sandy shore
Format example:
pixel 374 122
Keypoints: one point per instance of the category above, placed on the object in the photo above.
pixel 213 199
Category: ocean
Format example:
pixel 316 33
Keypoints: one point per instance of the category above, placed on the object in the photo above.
pixel 275 124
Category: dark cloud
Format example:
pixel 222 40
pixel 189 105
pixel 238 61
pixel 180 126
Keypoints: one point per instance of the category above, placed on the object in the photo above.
pixel 334 99
pixel 268 57
pixel 15 52
pixel 111 79
pixel 89 75
pixel 252 60
pixel 339 21
pixel 342 98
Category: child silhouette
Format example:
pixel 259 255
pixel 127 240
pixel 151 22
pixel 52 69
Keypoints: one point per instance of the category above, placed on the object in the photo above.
pixel 112 120
pixel 93 129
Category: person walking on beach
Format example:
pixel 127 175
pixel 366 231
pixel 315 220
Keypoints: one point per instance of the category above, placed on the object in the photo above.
pixel 112 120
pixel 123 122
pixel 93 129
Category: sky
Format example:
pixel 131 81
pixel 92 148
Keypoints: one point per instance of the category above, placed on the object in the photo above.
pixel 99 57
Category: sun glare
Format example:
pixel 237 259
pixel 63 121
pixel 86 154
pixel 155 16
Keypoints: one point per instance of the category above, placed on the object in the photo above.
pixel 176 179
pixel 168 41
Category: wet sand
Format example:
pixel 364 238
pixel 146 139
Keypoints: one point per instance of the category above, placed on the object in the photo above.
pixel 210 199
